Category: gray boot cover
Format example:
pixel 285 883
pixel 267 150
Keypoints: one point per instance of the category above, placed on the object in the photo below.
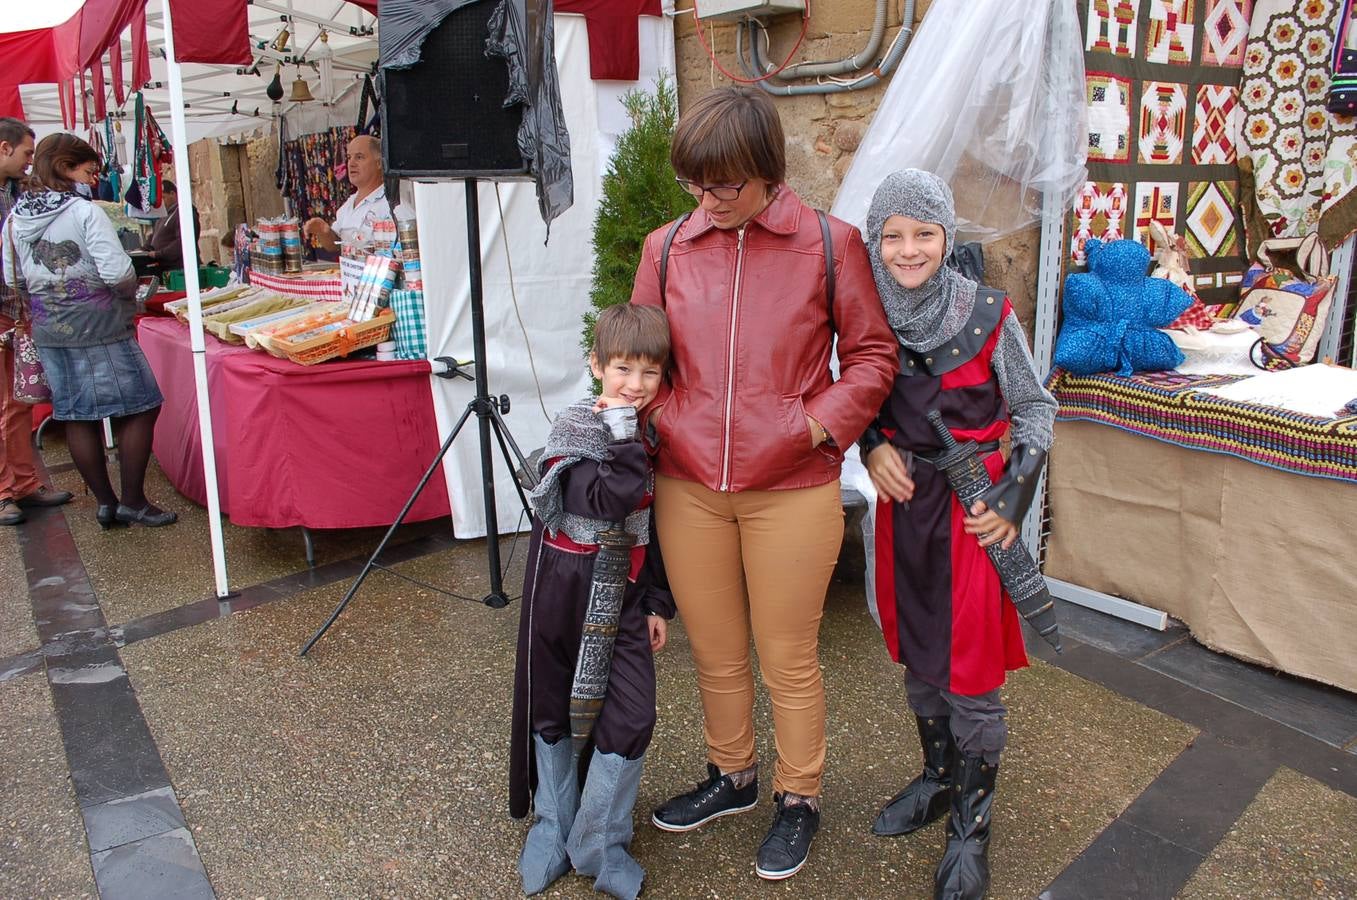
pixel 598 843
pixel 554 803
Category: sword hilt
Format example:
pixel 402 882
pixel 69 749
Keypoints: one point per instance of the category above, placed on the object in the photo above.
pixel 953 454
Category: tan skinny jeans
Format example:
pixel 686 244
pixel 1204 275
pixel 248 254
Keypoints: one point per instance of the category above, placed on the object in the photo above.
pixel 760 561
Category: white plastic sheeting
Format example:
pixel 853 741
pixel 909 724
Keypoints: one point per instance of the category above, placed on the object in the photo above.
pixel 990 96
pixel 551 281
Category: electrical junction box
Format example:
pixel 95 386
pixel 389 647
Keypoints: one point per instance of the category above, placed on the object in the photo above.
pixel 747 9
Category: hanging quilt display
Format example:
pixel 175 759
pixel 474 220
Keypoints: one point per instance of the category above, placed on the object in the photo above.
pixel 1164 115
pixel 1298 161
pixel 313 172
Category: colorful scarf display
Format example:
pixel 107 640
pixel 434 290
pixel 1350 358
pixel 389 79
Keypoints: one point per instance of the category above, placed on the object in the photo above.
pixel 313 172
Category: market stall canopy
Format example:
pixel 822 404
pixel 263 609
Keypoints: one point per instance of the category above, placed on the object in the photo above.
pixel 69 73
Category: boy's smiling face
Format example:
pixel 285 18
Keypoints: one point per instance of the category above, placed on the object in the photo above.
pixel 912 250
pixel 630 378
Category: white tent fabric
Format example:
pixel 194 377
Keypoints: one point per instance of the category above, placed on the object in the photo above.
pixel 211 90
pixel 551 282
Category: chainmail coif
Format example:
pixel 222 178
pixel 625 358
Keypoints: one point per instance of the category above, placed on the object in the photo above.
pixel 931 314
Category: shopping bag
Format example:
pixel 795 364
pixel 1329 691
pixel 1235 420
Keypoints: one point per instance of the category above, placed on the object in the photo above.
pixel 30 382
pixel 1286 296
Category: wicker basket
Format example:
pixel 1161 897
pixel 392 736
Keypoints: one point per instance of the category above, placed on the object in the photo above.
pixel 340 342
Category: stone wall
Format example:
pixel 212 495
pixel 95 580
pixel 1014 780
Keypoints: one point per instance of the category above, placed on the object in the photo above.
pixel 824 130
pixel 232 183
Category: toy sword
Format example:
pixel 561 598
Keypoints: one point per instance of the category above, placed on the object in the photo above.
pixel 1018 572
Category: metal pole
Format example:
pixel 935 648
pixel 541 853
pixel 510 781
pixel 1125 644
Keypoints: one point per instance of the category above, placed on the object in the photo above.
pixel 496 598
pixel 189 241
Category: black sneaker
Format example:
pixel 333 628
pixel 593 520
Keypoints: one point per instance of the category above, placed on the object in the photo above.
pixel 784 851
pixel 717 796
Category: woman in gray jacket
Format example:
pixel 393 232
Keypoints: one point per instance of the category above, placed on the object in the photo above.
pixel 80 285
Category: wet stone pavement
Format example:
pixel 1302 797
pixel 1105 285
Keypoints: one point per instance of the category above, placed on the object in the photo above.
pixel 155 742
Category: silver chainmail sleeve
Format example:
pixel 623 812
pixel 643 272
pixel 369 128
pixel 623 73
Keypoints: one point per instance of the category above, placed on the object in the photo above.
pixel 1031 410
pixel 1030 406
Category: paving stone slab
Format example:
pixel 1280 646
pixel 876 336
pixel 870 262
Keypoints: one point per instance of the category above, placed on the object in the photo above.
pixel 163 867
pixel 128 819
pixel 1322 712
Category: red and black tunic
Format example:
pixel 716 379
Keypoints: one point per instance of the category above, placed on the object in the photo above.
pixel 943 612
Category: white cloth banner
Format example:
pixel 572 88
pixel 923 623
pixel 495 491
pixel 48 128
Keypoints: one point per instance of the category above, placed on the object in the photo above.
pixel 550 284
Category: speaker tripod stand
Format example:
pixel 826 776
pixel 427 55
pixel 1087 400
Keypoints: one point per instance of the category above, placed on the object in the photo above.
pixel 487 410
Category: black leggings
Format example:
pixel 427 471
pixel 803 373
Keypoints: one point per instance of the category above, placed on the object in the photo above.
pixel 134 434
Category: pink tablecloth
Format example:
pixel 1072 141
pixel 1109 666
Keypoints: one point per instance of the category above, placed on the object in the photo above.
pixel 337 445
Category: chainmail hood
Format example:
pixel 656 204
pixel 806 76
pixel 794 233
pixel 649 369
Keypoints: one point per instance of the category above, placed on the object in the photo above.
pixel 933 313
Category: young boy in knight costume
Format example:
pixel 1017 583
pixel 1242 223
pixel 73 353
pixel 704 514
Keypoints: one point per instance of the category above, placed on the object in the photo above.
pixel 597 472
pixel 943 611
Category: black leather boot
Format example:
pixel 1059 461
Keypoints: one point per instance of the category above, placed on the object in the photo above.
pixel 963 873
pixel 925 798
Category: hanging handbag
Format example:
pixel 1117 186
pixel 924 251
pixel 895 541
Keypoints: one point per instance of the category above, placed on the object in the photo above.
pixel 30 381
pixel 1286 297
pixel 1342 98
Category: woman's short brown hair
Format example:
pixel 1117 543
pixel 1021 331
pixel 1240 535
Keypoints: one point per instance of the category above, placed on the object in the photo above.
pixel 728 135
pixel 58 151
pixel 632 331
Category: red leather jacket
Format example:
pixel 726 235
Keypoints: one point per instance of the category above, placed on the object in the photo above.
pixel 751 348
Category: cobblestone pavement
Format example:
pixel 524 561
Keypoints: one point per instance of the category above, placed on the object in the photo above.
pixel 157 743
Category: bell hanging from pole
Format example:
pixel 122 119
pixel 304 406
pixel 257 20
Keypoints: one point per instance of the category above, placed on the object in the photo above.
pixel 301 92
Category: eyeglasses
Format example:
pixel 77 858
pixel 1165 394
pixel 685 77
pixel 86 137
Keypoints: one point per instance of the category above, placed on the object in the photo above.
pixel 719 191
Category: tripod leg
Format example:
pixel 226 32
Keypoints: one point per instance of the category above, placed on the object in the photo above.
pixel 502 433
pixel 496 599
pixel 405 510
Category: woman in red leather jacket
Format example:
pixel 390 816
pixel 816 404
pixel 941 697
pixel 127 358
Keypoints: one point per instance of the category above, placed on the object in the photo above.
pixel 747 479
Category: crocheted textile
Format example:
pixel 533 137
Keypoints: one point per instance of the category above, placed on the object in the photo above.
pixel 1169 407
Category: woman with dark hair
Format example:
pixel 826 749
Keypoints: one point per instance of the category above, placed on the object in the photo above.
pixel 80 285
pixel 747 498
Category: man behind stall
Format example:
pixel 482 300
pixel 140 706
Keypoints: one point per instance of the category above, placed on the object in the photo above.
pixel 367 203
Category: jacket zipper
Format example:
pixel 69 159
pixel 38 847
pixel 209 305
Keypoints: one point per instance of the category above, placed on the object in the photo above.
pixel 730 362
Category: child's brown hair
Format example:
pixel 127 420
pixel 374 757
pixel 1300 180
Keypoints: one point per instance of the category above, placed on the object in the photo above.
pixel 629 330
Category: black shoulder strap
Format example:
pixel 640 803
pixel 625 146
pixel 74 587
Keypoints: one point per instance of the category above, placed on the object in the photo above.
pixel 664 252
pixel 829 263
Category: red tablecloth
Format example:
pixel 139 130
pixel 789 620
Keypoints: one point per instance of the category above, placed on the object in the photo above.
pixel 155 304
pixel 337 445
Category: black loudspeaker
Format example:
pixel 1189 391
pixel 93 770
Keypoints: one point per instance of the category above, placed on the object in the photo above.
pixel 444 117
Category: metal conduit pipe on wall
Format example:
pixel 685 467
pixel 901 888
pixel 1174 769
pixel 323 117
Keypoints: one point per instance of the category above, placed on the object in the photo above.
pixel 848 64
pixel 754 66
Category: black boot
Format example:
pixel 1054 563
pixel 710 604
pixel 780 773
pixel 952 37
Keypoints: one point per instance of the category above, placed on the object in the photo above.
pixel 963 873
pixel 925 798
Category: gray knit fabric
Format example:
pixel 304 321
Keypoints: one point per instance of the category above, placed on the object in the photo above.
pixel 1031 407
pixel 931 314
pixel 577 433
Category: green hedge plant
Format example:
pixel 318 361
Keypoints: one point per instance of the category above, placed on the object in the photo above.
pixel 639 195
